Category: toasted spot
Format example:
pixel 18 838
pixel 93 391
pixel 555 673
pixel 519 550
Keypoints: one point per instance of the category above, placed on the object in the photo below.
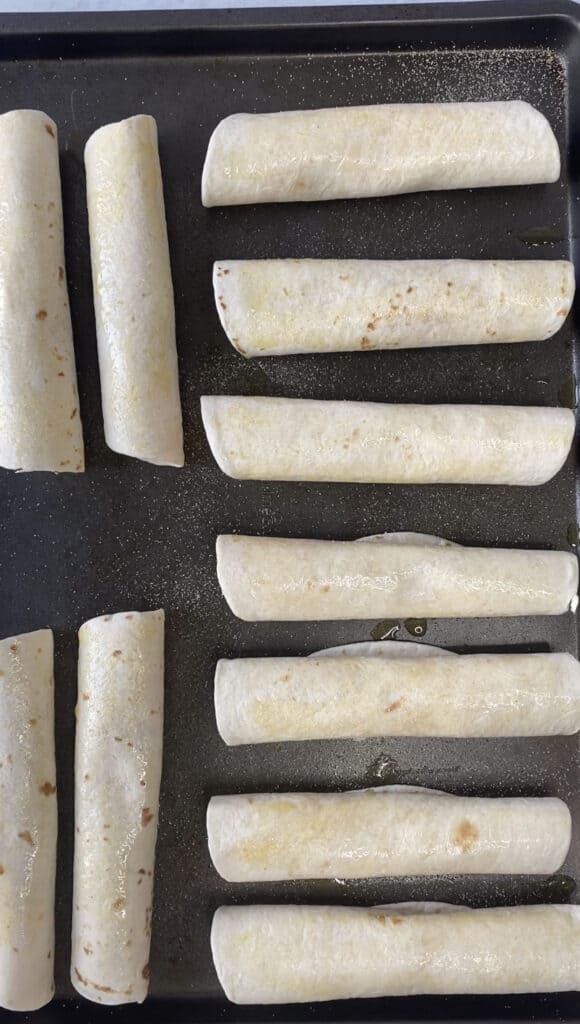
pixel 285 677
pixel 1 869
pixel 394 705
pixel 465 835
pixel 409 289
pixel 142 782
pixel 32 721
pixel 118 739
pixel 60 374
pixel 325 588
pixel 396 920
pixel 365 343
pixel 86 776
pixel 41 314
pixel 48 128
pixel 26 837
pixel 221 302
pixel 93 984
pixel 9 759
pixel 371 326
pixel 117 654
pixel 142 871
pixel 119 903
pixel 344 277
pixel 85 695
pixel 88 949
pixel 61 273
pixel 14 648
pixel 129 615
pixel 47 788
pixel 145 971
pixel 562 312
pixel 146 817
pixel 73 413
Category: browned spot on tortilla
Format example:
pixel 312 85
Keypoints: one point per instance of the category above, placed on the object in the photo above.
pixel 139 881
pixel 73 413
pixel 562 312
pixel 225 271
pixel 397 920
pixel 15 949
pixel 285 677
pixel 365 343
pixel 145 971
pixel 299 183
pixel 93 984
pixel 107 618
pixel 118 739
pixel 1 869
pixel 146 817
pixel 129 615
pixel 64 462
pixel 409 289
pixel 61 273
pixel 117 654
pixel 393 306
pixel 41 314
pixel 142 871
pixel 490 333
pixel 87 776
pixel 9 759
pixel 47 788
pixel 107 826
pixel 85 695
pixel 26 837
pixel 325 588
pixel 344 277
pixel 61 373
pixel 32 721
pixel 465 835
pixel 119 903
pixel 129 744
pixel 221 302
pixel 49 955
pixel 88 949
pixel 286 292
pixel 371 326
pixel 50 205
pixel 14 648
pixel 394 705
pixel 48 128
pixel 142 783
pixel 381 918
pixel 450 284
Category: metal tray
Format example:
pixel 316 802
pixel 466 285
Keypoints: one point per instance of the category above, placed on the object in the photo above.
pixel 129 535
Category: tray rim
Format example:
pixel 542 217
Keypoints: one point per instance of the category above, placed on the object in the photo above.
pixel 142 23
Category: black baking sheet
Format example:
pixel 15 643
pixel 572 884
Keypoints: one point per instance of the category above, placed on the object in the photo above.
pixel 129 535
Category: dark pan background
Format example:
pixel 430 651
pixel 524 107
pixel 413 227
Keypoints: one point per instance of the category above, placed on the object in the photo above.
pixel 127 535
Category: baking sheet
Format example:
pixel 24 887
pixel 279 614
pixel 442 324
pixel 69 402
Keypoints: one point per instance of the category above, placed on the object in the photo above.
pixel 129 535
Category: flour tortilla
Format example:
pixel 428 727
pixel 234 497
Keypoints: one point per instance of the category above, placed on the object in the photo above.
pixel 281 307
pixel 133 293
pixel 117 775
pixel 365 442
pixel 281 579
pixel 302 954
pixel 40 425
pixel 369 689
pixel 272 837
pixel 379 150
pixel 28 824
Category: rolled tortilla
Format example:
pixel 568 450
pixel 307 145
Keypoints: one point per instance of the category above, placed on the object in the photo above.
pixel 40 425
pixel 281 579
pixel 379 150
pixel 365 442
pixel 117 775
pixel 302 954
pixel 281 307
pixel 268 700
pixel 133 293
pixel 390 830
pixel 28 824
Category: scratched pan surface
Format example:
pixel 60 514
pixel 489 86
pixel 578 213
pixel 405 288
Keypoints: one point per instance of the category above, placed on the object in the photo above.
pixel 127 535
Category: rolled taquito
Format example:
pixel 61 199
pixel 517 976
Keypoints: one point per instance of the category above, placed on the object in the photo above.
pixel 283 579
pixel 28 822
pixel 366 442
pixel 117 776
pixel 40 424
pixel 281 307
pixel 302 954
pixel 385 831
pixel 133 293
pixel 354 694
pixel 378 150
